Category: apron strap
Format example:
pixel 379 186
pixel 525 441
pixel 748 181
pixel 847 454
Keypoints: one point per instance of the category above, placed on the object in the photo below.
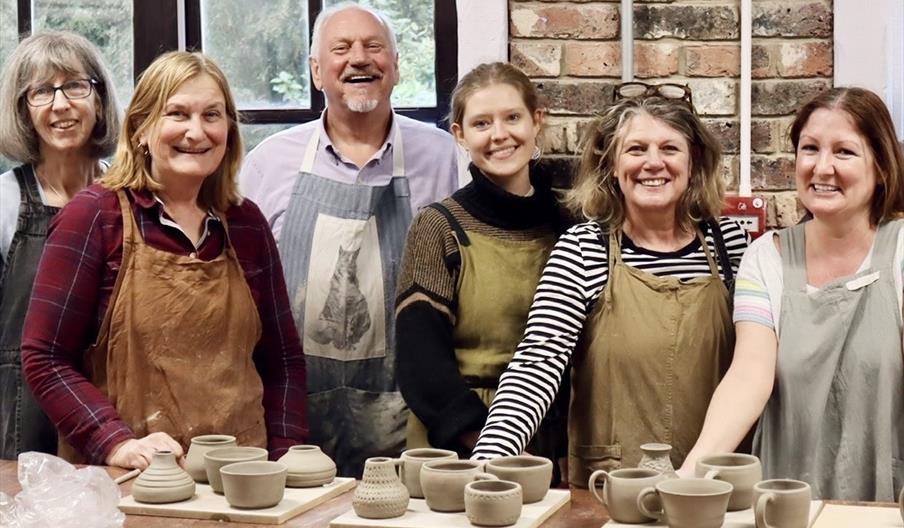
pixel 28 184
pixel 885 243
pixel 793 246
pixel 721 251
pixel 453 223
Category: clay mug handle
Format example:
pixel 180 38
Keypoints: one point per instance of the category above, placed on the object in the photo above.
pixel 712 474
pixel 592 485
pixel 484 476
pixel 760 510
pixel 398 464
pixel 641 504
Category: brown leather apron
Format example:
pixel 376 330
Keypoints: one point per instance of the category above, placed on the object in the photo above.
pixel 651 355
pixel 174 352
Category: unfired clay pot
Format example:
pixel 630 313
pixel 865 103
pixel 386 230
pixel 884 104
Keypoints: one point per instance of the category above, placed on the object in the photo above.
pixel 532 472
pixel 413 459
pixel 443 482
pixel 620 491
pixel 253 485
pixel 656 456
pixel 742 471
pixel 308 467
pixel 163 481
pixel 781 503
pixel 217 458
pixel 380 494
pixel 194 460
pixel 493 502
pixel 688 502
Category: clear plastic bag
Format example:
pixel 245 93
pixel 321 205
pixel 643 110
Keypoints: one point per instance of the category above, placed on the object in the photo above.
pixel 57 494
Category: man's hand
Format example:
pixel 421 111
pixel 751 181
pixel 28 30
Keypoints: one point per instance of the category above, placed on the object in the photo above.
pixel 137 452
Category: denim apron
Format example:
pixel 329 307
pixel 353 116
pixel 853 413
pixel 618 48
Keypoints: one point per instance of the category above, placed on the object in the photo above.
pixel 23 425
pixel 341 248
pixel 836 415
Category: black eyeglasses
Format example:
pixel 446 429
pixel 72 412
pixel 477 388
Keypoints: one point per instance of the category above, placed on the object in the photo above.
pixel 75 89
pixel 633 89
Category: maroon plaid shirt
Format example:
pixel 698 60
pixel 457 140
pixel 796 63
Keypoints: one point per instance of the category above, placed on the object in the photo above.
pixel 72 291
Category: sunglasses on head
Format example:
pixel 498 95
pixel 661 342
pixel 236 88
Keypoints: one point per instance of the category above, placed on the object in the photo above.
pixel 634 89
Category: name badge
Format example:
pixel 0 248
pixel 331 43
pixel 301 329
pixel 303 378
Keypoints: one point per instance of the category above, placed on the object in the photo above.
pixel 863 281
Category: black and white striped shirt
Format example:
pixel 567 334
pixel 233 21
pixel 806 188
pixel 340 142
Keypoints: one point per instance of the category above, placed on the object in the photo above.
pixel 571 283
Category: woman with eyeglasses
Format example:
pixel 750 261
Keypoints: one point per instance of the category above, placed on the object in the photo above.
pixel 636 299
pixel 159 311
pixel 818 314
pixel 60 118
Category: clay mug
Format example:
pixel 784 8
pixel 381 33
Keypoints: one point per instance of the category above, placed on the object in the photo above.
pixel 217 458
pixel 532 472
pixel 781 503
pixel 689 502
pixel 742 471
pixel 258 484
pixel 413 459
pixel 620 490
pixel 194 459
pixel 443 482
pixel 493 502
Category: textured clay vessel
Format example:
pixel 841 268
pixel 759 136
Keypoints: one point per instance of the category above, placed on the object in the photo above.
pixel 259 484
pixel 532 472
pixel 443 482
pixel 413 459
pixel 308 467
pixel 194 460
pixel 493 502
pixel 656 456
pixel 217 458
pixel 380 494
pixel 163 481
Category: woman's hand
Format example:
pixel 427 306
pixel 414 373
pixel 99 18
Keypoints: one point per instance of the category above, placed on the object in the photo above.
pixel 137 452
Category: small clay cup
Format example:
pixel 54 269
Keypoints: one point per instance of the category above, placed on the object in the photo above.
pixel 689 502
pixel 532 472
pixel 443 482
pixel 493 502
pixel 413 459
pixel 194 459
pixel 781 503
pixel 742 471
pixel 254 485
pixel 217 458
pixel 620 490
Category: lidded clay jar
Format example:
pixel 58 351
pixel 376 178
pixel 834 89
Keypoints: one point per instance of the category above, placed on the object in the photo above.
pixel 163 481
pixel 194 460
pixel 308 467
pixel 380 494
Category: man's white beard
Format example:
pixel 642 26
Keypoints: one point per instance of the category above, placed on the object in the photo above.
pixel 363 106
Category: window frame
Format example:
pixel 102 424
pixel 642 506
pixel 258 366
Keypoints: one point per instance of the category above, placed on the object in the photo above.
pixel 159 32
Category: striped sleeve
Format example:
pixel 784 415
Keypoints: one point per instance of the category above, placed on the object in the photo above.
pixel 752 300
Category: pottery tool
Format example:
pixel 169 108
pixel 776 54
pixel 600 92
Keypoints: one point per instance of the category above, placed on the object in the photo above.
pixel 128 476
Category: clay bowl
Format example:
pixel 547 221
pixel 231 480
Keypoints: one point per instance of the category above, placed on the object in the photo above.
pixel 493 502
pixel 308 467
pixel 217 458
pixel 254 485
pixel 532 472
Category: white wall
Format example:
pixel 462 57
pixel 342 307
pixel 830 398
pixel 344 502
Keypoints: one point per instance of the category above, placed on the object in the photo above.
pixel 482 32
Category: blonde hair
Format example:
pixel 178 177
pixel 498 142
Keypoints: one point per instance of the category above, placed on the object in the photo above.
pixel 596 195
pixel 41 57
pixel 131 168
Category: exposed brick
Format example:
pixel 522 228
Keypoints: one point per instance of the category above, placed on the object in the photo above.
pixel 593 59
pixel 805 59
pixel 771 173
pixel 729 172
pixel 575 132
pixel 575 97
pixel 554 139
pixel 761 62
pixel 763 136
pixel 537 59
pixel 783 209
pixel 783 132
pixel 792 19
pixel 727 131
pixel 655 60
pixel 714 96
pixel 771 98
pixel 564 21
pixel 696 22
pixel 712 61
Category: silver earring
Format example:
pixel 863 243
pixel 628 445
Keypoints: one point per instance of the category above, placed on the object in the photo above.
pixel 535 155
pixel 145 151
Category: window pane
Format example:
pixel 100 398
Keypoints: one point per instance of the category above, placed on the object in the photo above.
pixel 8 41
pixel 262 49
pixel 412 21
pixel 254 134
pixel 106 23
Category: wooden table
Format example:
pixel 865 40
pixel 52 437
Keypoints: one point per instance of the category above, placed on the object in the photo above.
pixel 582 512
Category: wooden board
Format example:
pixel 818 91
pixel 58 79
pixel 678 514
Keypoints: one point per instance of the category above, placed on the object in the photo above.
pixel 420 516
pixel 208 505
pixel 737 519
pixel 840 516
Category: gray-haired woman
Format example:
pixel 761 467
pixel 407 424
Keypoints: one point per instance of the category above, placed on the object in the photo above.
pixel 60 118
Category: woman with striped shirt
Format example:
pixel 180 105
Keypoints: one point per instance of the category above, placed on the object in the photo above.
pixel 636 299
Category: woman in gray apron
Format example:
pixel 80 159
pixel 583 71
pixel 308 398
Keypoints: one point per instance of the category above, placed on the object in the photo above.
pixel 636 299
pixel 818 313
pixel 60 117
pixel 472 263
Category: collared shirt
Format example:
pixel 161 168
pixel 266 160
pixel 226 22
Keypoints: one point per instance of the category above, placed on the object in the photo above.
pixel 270 171
pixel 72 290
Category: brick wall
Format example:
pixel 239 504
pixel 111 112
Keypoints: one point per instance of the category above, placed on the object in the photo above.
pixel 572 51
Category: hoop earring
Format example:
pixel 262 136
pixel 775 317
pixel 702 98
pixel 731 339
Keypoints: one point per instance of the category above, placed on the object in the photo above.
pixel 537 153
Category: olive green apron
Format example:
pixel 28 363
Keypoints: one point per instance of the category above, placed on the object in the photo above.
pixel 651 355
pixel 496 286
